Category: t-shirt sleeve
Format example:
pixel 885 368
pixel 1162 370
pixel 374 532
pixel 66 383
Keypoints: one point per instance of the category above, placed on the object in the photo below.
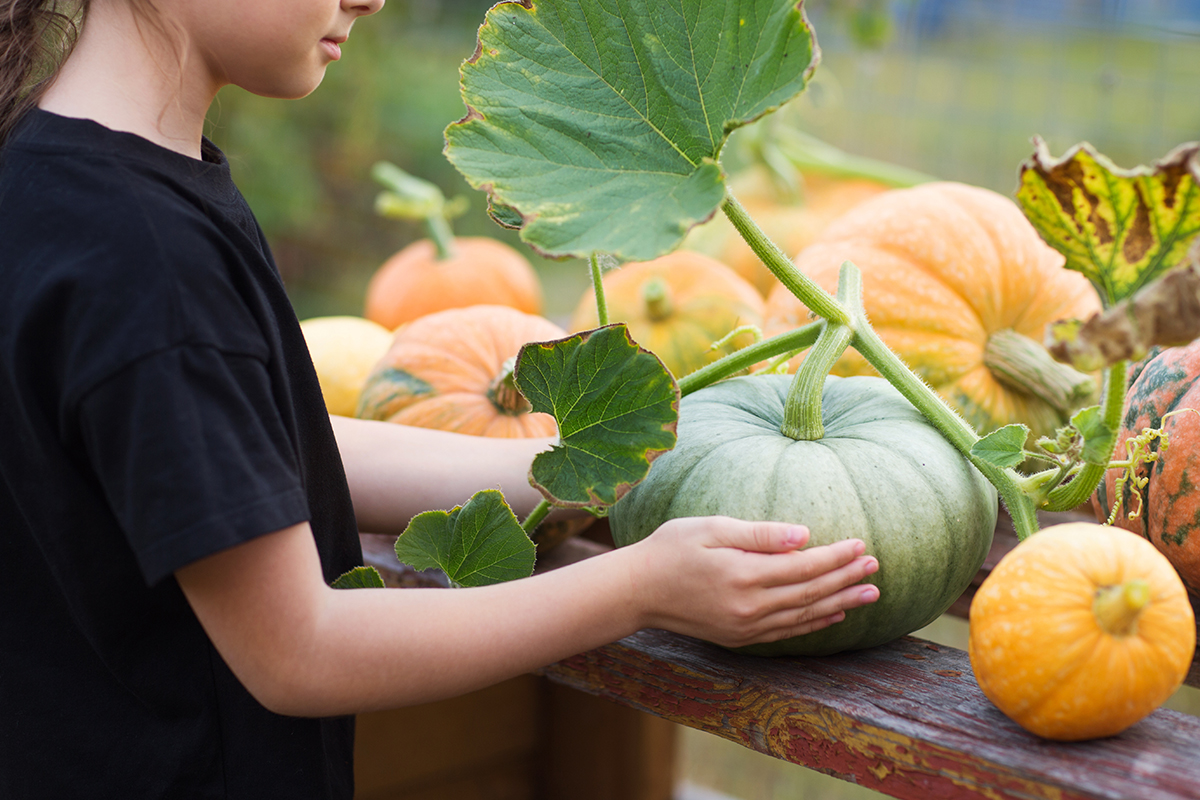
pixel 192 454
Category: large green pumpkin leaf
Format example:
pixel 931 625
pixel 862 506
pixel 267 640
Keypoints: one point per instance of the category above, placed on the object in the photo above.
pixel 600 121
pixel 475 544
pixel 616 407
pixel 1120 228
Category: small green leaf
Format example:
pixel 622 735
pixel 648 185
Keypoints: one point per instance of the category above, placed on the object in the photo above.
pixel 359 578
pixel 1120 228
pixel 602 120
pixel 475 544
pixel 1098 438
pixel 1003 447
pixel 616 407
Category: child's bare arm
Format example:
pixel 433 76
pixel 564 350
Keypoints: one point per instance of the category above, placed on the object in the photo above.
pixel 397 471
pixel 303 648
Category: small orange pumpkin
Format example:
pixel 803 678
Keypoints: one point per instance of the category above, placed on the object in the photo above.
pixel 1081 631
pixel 677 306
pixel 478 270
pixel 452 370
pixel 959 284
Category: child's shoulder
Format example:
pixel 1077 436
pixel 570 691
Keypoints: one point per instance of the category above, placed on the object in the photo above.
pixel 117 240
pixel 79 188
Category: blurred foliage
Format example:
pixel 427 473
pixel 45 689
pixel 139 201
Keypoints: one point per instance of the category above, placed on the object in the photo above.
pixel 953 88
pixel 305 165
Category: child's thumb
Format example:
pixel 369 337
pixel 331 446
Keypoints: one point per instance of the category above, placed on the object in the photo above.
pixel 767 537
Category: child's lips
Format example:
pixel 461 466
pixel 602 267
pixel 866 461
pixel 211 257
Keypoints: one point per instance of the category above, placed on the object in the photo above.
pixel 332 48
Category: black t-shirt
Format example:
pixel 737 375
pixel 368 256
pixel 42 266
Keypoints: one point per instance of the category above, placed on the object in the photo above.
pixel 157 405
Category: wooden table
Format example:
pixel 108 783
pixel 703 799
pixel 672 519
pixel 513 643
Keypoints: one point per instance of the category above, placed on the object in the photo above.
pixel 906 718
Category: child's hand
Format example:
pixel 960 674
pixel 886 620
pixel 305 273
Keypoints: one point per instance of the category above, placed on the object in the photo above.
pixel 737 583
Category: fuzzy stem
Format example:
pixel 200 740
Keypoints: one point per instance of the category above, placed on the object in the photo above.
pixel 535 517
pixel 799 284
pixel 598 285
pixel 1007 481
pixel 802 410
pixel 1076 491
pixel 726 366
pixel 1117 608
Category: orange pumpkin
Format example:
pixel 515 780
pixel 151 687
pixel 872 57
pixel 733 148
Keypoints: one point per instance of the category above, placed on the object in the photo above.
pixel 791 225
pixel 959 284
pixel 1081 631
pixel 452 370
pixel 479 270
pixel 677 306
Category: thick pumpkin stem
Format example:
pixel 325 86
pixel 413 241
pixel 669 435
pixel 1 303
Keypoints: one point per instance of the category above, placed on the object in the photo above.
pixel 656 295
pixel 505 395
pixel 1024 365
pixel 802 419
pixel 1117 608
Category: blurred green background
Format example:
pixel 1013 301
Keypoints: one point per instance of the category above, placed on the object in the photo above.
pixel 954 88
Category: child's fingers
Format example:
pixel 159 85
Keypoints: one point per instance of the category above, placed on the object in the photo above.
pixel 798 620
pixel 827 584
pixel 758 536
pixel 800 566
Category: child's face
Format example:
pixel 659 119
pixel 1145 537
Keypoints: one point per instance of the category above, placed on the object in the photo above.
pixel 274 48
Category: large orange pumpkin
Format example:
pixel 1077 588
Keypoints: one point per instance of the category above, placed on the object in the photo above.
pixel 479 270
pixel 1166 507
pixel 452 370
pixel 959 284
pixel 1081 631
pixel 677 306
pixel 791 225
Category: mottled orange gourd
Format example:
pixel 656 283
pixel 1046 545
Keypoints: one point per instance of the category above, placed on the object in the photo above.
pixel 1081 631
pixel 480 270
pixel 452 371
pixel 954 279
pixel 1167 508
pixel 677 306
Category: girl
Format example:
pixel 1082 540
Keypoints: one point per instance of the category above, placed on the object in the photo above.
pixel 174 501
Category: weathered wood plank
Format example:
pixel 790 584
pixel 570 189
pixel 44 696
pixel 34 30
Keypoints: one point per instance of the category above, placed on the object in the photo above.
pixel 906 719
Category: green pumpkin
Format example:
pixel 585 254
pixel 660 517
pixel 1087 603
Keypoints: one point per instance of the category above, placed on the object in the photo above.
pixel 881 473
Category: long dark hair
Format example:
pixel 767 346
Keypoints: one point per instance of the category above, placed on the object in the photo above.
pixel 35 38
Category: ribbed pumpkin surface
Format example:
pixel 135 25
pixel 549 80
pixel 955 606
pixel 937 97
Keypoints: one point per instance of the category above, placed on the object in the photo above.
pixel 414 282
pixel 677 306
pixel 946 266
pixel 881 474
pixel 446 371
pixel 1048 660
pixel 1166 381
